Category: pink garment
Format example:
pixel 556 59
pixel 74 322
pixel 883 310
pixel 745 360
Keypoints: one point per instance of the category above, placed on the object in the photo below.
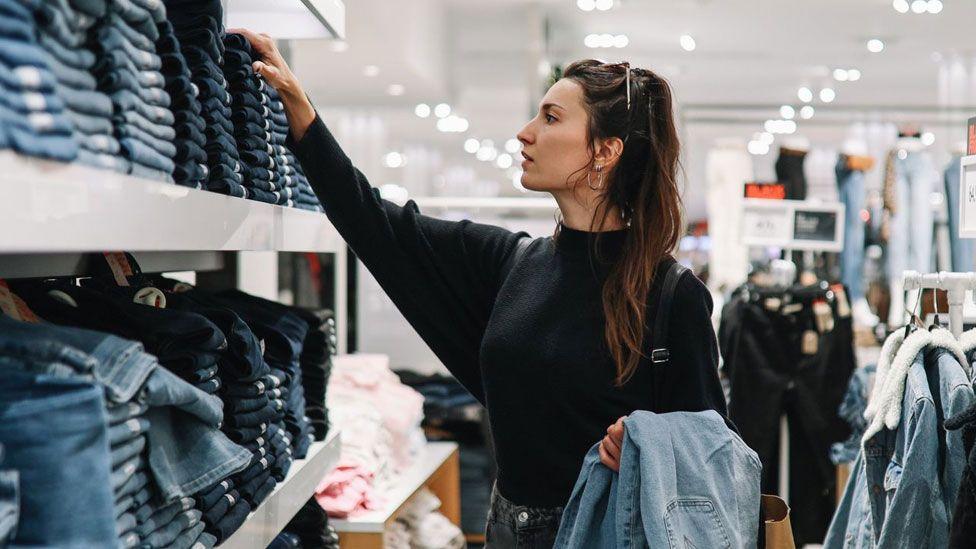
pixel 347 490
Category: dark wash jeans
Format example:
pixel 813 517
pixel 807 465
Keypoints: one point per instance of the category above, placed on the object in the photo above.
pixel 512 526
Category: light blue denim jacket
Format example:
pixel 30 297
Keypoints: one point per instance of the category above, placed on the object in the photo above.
pixel 686 480
pixel 901 490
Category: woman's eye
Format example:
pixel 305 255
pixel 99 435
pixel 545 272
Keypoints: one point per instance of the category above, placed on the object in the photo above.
pixel 550 118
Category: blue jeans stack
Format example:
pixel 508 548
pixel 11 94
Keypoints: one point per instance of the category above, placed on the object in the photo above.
pixel 152 439
pixel 33 118
pixel 198 29
pixel 9 502
pixel 128 70
pixel 191 159
pixel 288 167
pixel 252 128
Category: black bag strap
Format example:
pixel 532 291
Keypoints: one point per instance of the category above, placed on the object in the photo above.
pixel 660 355
pixel 520 247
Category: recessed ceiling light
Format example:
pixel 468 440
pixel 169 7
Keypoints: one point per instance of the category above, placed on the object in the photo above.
pixel 805 94
pixel 901 6
pixel 471 145
pixel 840 75
pixel 920 6
pixel 875 45
pixel 787 112
pixel 807 112
pixel 442 110
pixel 395 89
pixel 371 70
pixel 586 5
pixel 603 5
pixel 422 110
pixel 853 75
pixel 513 145
pixel 688 43
pixel 827 95
pixel 935 6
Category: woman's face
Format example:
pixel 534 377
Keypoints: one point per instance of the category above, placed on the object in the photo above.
pixel 554 143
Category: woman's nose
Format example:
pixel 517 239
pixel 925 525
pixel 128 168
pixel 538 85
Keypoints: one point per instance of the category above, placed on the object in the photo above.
pixel 525 135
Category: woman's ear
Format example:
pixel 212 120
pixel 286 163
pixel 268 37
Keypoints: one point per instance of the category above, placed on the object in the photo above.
pixel 606 152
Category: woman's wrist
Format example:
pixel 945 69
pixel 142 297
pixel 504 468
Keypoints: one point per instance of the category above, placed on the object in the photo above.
pixel 298 109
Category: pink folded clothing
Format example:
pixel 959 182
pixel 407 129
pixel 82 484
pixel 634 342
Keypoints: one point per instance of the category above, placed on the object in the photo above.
pixel 346 491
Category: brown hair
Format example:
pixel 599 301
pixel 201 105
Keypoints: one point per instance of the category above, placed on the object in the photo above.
pixel 642 187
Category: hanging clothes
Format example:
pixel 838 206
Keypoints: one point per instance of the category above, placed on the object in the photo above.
pixel 789 171
pixel 728 168
pixel 790 352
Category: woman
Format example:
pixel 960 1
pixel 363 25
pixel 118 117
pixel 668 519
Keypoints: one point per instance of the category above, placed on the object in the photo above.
pixel 554 344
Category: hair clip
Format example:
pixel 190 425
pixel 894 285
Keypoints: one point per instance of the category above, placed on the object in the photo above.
pixel 628 88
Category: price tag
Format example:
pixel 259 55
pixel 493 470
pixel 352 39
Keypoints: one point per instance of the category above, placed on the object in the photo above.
pixel 793 224
pixel 814 226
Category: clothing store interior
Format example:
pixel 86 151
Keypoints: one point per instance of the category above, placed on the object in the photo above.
pixel 351 273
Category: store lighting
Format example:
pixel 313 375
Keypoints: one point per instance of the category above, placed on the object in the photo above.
pixel 780 126
pixel 371 70
pixel 393 160
pixel 395 90
pixel 928 138
pixel 688 43
pixel 620 41
pixel 875 45
pixel 766 138
pixel 586 5
pixel 919 6
pixel 422 110
pixel 504 161
pixel 452 124
pixel 604 5
pixel 606 40
pixel 486 154
pixel 592 41
pixel 340 46
pixel 805 94
pixel 787 112
pixel 513 146
pixel 442 110
pixel 901 6
pixel 935 7
pixel 827 95
pixel 758 148
pixel 807 112
pixel 471 145
pixel 853 75
pixel 840 75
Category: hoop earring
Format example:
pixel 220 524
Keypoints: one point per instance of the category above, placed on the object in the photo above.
pixel 599 170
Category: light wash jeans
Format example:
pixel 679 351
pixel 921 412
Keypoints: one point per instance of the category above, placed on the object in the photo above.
pixel 850 188
pixel 910 241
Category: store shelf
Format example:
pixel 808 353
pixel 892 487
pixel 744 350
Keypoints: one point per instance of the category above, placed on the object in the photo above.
pixel 427 465
pixel 289 19
pixel 56 207
pixel 289 496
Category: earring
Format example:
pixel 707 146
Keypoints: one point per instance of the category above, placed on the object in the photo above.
pixel 599 185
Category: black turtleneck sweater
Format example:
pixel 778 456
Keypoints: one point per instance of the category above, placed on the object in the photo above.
pixel 529 346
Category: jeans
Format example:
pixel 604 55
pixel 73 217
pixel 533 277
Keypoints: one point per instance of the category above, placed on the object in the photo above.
pixel 112 39
pixel 158 131
pixel 789 170
pixel 151 517
pixel 79 58
pixel 155 8
pixel 223 504
pixel 103 160
pixel 126 411
pixel 230 522
pixel 126 431
pixel 517 526
pixel 170 531
pixel 44 419
pixel 962 249
pixel 88 102
pixel 852 410
pixel 208 498
pixel 204 38
pixel 58 19
pixel 125 79
pixel 211 386
pixel 850 188
pixel 141 153
pixel 140 19
pixel 910 241
pixel 159 147
pixel 127 450
pixel 135 38
pixel 126 100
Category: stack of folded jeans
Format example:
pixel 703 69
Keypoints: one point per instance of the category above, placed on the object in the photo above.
pixel 33 119
pixel 289 170
pixel 9 502
pixel 128 71
pixel 158 437
pixel 252 128
pixel 198 28
pixel 316 364
pixel 309 528
pixel 191 159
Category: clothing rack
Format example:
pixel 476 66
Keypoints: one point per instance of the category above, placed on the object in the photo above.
pixel 955 285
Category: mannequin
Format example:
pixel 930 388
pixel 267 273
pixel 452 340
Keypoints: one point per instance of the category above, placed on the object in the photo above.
pixel 852 164
pixel 728 168
pixel 789 166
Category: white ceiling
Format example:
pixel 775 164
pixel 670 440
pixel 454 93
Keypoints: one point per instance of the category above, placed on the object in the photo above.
pixel 483 56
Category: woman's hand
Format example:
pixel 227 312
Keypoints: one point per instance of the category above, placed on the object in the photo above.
pixel 611 444
pixel 275 71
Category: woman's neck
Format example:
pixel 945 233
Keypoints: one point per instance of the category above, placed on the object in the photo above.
pixel 579 212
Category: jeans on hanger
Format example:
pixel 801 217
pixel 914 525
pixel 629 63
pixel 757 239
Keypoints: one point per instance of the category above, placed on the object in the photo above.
pixel 850 188
pixel 962 249
pixel 910 241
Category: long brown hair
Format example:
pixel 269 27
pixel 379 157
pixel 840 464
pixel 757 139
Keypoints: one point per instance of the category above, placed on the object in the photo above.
pixel 642 187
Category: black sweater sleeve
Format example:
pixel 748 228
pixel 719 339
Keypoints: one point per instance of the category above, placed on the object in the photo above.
pixel 442 275
pixel 690 382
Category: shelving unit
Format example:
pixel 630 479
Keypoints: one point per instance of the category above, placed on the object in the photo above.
pixel 438 468
pixel 273 514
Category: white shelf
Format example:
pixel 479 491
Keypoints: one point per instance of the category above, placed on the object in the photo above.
pixel 56 207
pixel 267 521
pixel 289 19
pixel 430 460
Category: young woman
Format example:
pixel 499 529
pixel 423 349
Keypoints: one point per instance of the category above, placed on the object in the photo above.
pixel 555 344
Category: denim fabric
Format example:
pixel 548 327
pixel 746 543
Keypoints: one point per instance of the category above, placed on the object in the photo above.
pixel 208 498
pixel 123 505
pixel 135 486
pixel 140 19
pixel 962 249
pixel 166 133
pixel 187 150
pixel 151 517
pixel 137 39
pixel 169 532
pixel 42 420
pixel 103 161
pixel 26 102
pixel 850 188
pixel 79 58
pixel 126 100
pixel 103 143
pixel 125 411
pixel 141 153
pixel 852 411
pixel 227 185
pixel 205 39
pixel 244 434
pixel 910 241
pixel 121 475
pixel 9 503
pixel 88 124
pixel 53 18
pixel 191 175
pixel 16 29
pixel 231 521
pixel 76 78
pixel 127 431
pixel 127 450
pixel 511 525
pixel 125 523
pixel 152 79
pixel 217 511
pixel 111 38
pixel 263 196
pixel 125 79
pixel 210 386
pixel 252 487
pixel 93 8
pixel 156 9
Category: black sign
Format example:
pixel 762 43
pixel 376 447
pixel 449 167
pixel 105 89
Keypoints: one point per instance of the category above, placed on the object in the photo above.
pixel 813 225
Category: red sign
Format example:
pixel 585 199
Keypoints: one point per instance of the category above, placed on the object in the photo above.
pixel 971 141
pixel 769 191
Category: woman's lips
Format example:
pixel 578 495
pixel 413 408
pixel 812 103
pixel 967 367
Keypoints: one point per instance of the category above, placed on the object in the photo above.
pixel 527 159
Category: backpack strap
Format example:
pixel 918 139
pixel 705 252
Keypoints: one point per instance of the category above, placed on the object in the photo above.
pixel 660 354
pixel 520 247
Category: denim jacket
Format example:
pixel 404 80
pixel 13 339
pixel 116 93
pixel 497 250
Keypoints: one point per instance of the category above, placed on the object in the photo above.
pixel 906 470
pixel 686 480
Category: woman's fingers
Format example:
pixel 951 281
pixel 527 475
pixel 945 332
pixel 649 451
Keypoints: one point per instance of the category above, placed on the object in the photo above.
pixel 606 460
pixel 612 447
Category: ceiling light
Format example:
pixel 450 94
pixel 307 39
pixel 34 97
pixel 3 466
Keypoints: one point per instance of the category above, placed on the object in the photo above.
pixel 688 43
pixel 586 5
pixel 606 40
pixel 340 46
pixel 603 5
pixel 471 145
pixel 766 138
pixel 513 146
pixel 919 6
pixel 504 161
pixel 787 112
pixel 853 75
pixel 827 95
pixel 807 112
pixel 371 70
pixel 452 124
pixel 592 41
pixel 620 41
pixel 758 148
pixel 935 6
pixel 422 110
pixel 442 110
pixel 901 6
pixel 486 154
pixel 928 138
pixel 875 45
pixel 805 94
pixel 393 160
pixel 395 89
pixel 789 126
pixel 840 75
